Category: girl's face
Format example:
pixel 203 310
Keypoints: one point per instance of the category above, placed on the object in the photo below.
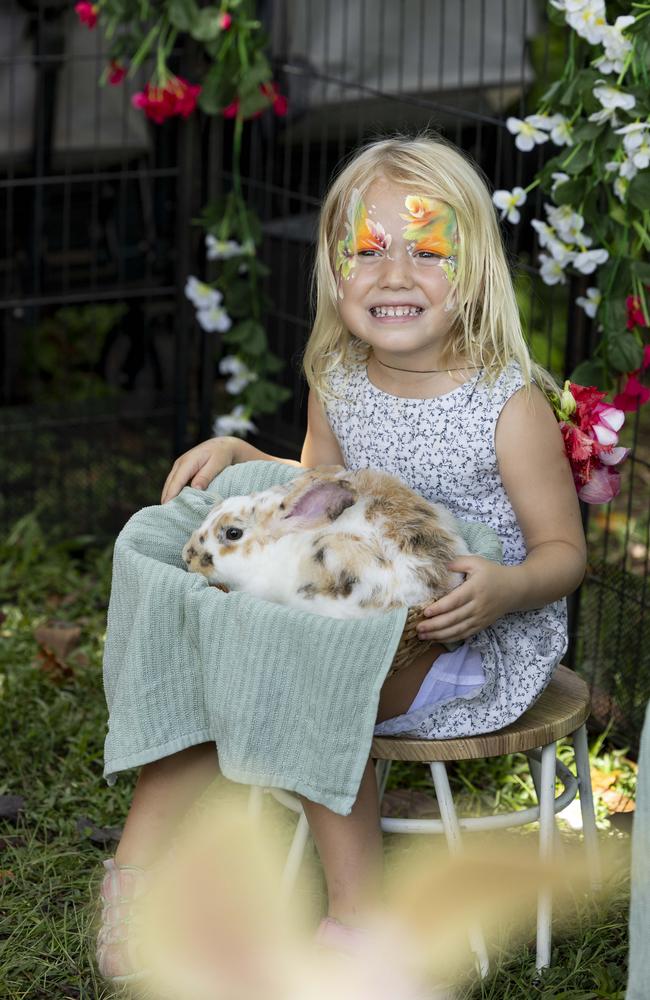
pixel 395 267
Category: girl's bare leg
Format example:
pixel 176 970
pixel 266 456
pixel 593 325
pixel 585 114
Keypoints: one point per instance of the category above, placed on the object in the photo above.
pixel 164 792
pixel 350 847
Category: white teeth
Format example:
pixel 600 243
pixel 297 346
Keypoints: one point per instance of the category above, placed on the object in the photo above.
pixel 396 310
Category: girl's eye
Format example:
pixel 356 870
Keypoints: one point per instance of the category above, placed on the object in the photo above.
pixel 427 255
pixel 368 253
pixel 232 534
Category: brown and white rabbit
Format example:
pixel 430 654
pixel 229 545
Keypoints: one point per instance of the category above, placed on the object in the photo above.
pixel 334 542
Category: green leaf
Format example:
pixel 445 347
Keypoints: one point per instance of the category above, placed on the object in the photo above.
pixel 182 13
pixel 613 312
pixel 578 158
pixel 587 130
pixel 569 95
pixel 638 193
pixel 249 334
pixel 252 103
pixel 624 351
pixel 217 91
pixel 264 396
pixel 569 193
pixel 258 72
pixel 590 372
pixel 206 26
pixel 641 269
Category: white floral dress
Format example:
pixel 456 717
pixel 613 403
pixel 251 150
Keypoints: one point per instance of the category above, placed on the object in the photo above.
pixel 444 448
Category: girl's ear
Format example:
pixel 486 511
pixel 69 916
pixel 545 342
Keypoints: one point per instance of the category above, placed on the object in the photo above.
pixel 323 502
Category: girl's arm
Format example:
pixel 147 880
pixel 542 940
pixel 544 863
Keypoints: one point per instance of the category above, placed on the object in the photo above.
pixel 537 478
pixel 201 464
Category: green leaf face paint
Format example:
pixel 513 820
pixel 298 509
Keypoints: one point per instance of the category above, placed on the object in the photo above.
pixel 362 234
pixel 430 226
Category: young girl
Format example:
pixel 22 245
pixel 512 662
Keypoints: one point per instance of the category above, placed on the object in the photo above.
pixel 416 365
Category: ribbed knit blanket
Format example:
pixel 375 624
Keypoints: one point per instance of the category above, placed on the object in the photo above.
pixel 289 697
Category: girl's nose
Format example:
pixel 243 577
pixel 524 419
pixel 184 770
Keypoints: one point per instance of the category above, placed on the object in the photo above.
pixel 396 271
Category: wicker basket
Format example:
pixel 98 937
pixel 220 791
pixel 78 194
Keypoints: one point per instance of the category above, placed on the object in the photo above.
pixel 409 647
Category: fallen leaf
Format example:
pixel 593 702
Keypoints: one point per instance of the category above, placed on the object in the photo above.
pixel 10 806
pixel 6 873
pixel 50 664
pixel 59 637
pixel 101 835
pixel 409 803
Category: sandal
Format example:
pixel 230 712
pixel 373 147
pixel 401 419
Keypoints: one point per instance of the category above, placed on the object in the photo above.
pixel 116 949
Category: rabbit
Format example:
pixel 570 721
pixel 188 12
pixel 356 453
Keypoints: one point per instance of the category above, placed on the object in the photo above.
pixel 341 543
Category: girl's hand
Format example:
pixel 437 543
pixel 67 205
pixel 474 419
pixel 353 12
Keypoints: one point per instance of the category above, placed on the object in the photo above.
pixel 485 595
pixel 199 466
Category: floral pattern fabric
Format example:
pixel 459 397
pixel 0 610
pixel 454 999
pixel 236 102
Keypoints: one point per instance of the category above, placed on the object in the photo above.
pixel 444 448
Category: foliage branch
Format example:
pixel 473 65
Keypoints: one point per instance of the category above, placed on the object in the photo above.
pixel 598 184
pixel 236 84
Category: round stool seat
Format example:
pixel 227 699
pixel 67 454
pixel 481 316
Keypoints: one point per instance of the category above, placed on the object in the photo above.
pixel 561 708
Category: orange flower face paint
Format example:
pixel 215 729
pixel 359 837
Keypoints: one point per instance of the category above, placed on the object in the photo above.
pixel 362 234
pixel 430 226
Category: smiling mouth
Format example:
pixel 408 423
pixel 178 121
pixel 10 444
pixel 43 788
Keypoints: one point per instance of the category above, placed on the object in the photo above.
pixel 396 312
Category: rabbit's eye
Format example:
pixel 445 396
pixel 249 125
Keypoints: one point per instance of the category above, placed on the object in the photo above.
pixel 232 534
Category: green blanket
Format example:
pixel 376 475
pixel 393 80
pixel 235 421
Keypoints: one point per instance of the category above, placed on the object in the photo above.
pixel 289 697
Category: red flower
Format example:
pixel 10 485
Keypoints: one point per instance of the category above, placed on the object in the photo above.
pixel 590 433
pixel 225 20
pixel 280 103
pixel 270 91
pixel 177 97
pixel 634 394
pixel 87 13
pixel 117 72
pixel 635 315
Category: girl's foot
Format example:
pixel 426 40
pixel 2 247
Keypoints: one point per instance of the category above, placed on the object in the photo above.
pixel 382 979
pixel 117 957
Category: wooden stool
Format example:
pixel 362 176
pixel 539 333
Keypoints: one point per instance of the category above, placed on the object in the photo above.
pixel 561 710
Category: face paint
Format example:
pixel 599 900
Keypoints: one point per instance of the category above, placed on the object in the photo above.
pixel 430 227
pixel 361 234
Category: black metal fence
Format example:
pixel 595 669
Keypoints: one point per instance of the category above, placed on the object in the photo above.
pixel 105 373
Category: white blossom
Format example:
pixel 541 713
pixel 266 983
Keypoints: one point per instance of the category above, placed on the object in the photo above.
pixel 561 131
pixel 233 423
pixel 558 178
pixel 591 302
pixel 621 185
pixel 615 45
pixel 240 372
pixel 606 115
pixel 628 169
pixel 612 98
pixel 214 318
pixel 568 5
pixel 551 270
pixel 547 238
pixel 636 143
pixel 222 249
pixel 527 135
pixel 201 295
pixel 566 222
pixel 587 261
pixel 508 201
pixel 589 21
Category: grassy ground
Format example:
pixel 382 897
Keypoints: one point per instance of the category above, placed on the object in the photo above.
pixel 51 737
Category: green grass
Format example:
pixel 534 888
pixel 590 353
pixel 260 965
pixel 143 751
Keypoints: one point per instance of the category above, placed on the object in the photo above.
pixel 51 741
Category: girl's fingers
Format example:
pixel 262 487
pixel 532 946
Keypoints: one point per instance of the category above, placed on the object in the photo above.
pixel 179 477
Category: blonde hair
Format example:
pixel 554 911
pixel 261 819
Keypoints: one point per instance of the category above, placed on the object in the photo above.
pixel 487 331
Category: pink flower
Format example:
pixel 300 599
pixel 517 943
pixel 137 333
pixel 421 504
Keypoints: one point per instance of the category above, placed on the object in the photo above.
pixel 230 111
pixel 635 315
pixel 177 97
pixel 269 90
pixel 602 487
pixel 634 394
pixel 590 434
pixel 225 20
pixel 87 13
pixel 117 72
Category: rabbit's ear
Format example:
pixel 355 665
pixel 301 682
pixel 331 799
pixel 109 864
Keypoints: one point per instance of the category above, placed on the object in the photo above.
pixel 322 502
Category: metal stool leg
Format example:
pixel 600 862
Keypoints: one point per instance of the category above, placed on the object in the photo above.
pixel 454 842
pixel 382 770
pixel 255 799
pixel 581 750
pixel 294 858
pixel 546 841
pixel 535 766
